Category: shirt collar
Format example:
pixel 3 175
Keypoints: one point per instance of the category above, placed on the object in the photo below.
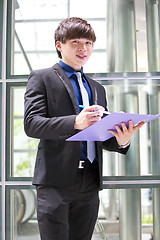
pixel 68 70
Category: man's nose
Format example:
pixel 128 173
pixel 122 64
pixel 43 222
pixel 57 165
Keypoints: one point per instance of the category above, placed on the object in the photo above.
pixel 82 47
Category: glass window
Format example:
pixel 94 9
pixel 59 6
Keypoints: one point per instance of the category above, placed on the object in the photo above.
pixel 33 44
pixel 88 9
pixel 134 96
pixel 41 9
pixel 124 213
pixel 22 149
pixel 127 42
pixel 127 34
pixel 142 97
pixel 33 33
pixel 115 218
pixel 21 218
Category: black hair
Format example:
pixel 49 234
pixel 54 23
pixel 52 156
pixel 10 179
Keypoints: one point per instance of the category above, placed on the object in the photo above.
pixel 71 28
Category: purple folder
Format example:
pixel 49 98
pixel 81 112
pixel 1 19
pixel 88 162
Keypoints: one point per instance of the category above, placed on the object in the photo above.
pixel 99 130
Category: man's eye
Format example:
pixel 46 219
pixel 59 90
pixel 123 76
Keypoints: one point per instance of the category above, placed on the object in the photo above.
pixel 89 43
pixel 75 41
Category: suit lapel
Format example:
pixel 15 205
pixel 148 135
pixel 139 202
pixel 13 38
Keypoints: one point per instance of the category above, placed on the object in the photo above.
pixel 63 77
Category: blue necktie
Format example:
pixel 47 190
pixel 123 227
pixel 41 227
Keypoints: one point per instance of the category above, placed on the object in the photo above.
pixel 90 144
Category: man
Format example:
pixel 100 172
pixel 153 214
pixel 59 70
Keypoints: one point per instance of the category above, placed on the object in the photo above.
pixel 67 180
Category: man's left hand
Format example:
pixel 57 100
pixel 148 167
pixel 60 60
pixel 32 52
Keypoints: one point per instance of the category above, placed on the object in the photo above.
pixel 124 134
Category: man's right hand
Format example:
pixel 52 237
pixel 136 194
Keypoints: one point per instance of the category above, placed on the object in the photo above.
pixel 88 116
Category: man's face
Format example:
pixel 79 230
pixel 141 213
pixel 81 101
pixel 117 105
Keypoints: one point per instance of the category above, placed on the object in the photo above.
pixel 75 52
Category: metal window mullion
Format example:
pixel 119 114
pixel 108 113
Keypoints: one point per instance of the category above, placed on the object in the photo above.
pixel 3 115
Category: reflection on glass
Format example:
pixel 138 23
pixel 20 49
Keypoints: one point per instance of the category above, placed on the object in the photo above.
pixel 112 221
pixel 23 148
pixel 39 20
pixel 21 215
pixel 41 9
pixel 128 39
pixel 101 13
pixel 143 155
pixel 135 96
pixel 22 219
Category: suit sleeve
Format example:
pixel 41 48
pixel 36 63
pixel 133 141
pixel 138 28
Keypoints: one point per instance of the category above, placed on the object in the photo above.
pixel 112 146
pixel 37 122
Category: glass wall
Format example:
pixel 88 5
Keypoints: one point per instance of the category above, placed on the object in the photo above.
pixel 141 96
pixel 21 216
pixel 32 27
pixel 125 61
pixel 21 220
pixel 112 217
pixel 20 149
pixel 127 95
pixel 127 34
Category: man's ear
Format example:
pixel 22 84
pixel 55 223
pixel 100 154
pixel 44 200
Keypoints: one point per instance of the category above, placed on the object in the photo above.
pixel 58 46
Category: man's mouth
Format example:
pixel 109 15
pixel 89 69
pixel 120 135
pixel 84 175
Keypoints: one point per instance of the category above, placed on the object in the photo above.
pixel 81 56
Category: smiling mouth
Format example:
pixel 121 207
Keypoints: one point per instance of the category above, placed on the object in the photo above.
pixel 81 56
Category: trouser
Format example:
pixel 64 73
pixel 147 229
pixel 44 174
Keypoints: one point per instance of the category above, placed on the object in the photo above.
pixel 69 213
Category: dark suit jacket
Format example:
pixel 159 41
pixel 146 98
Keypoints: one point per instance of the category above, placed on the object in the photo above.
pixel 50 112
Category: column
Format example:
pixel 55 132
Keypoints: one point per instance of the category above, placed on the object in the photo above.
pixel 153 35
pixel 129 165
pixel 125 36
pixel 155 155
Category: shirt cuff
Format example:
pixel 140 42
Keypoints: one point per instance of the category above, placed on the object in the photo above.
pixel 124 146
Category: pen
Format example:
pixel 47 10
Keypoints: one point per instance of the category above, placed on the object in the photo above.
pixel 105 112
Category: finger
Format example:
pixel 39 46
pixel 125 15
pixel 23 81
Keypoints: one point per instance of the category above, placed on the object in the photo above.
pixel 124 127
pixel 130 124
pixel 118 129
pixel 97 107
pixel 94 120
pixel 139 125
pixel 113 132
pixel 94 114
pixel 94 108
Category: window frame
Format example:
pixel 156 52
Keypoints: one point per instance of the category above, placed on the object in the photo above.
pixel 0 124
pixel 9 134
pixel 9 52
pixel 8 218
pixel 1 30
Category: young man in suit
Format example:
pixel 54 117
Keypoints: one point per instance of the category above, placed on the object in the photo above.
pixel 67 182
